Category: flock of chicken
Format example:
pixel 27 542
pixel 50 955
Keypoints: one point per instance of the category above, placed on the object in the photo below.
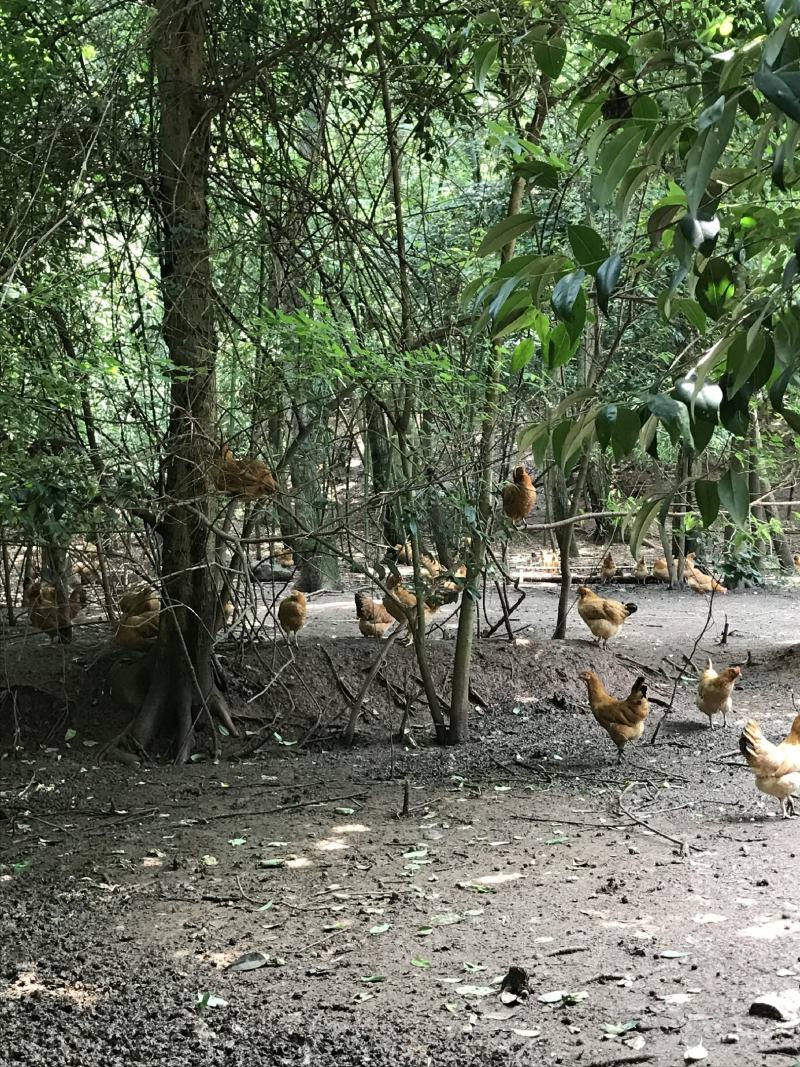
pixel 776 767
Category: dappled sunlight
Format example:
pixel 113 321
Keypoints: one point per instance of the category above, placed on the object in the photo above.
pixel 221 959
pixel 770 931
pixel 297 863
pixel 350 828
pixel 330 844
pixel 28 985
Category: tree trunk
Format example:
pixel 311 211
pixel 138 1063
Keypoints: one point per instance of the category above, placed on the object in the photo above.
pixel 181 686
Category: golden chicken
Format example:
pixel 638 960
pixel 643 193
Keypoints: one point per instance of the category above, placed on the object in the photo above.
pixel 603 617
pixel 622 720
pixel 661 570
pixel 715 692
pixel 430 566
pixel 641 570
pixel 373 618
pixel 404 553
pixel 608 567
pixel 399 598
pixel 247 479
pixel 519 497
pixel 796 561
pixel 701 583
pixel 138 624
pixel 41 600
pixel 776 767
pixel 292 612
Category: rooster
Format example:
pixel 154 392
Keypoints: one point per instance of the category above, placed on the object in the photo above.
pixel 776 767
pixel 622 720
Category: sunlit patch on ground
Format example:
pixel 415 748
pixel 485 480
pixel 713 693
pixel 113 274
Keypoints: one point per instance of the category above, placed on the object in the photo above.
pixel 27 985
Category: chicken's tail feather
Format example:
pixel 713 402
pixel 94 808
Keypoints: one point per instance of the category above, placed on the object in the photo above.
pixel 750 739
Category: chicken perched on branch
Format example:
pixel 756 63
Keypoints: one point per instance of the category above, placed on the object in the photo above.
pixel 139 620
pixel 373 618
pixel 699 582
pixel 622 720
pixel 603 617
pixel 714 692
pixel 292 612
pixel 776 767
pixel 41 600
pixel 608 567
pixel 519 497
pixel 247 479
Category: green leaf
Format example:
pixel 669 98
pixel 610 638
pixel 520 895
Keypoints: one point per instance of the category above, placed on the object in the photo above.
pixel 625 433
pixel 550 56
pixel 644 519
pixel 743 359
pixel 613 161
pixel 716 287
pixel 420 961
pixel 606 280
pixel 703 427
pixel 691 311
pixel 565 293
pixel 734 496
pixel 672 413
pixel 704 156
pixel 712 114
pixel 588 247
pixel 485 58
pixel 707 496
pixel 635 177
pixel 522 355
pixel 502 233
pixel 781 89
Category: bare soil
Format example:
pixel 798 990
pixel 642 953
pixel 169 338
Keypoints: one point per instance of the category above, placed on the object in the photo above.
pixel 660 896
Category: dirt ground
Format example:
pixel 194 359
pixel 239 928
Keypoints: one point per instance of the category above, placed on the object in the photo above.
pixel 650 903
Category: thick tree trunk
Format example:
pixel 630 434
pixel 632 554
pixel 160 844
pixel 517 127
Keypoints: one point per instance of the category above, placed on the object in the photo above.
pixel 181 687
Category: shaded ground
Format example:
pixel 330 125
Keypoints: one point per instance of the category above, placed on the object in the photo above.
pixel 125 892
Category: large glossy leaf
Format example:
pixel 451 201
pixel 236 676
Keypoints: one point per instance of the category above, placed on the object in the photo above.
pixel 613 161
pixel 781 89
pixel 606 280
pixel 735 496
pixel 743 359
pixel 550 56
pixel 642 523
pixel 716 287
pixel 705 155
pixel 625 433
pixel 672 413
pixel 499 235
pixel 588 247
pixel 565 293
pixel 485 56
pixel 707 497
pixel 703 427
pixel 522 355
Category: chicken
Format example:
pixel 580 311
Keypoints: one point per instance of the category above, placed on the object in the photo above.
pixel 247 479
pixel 622 720
pixel 776 767
pixel 796 561
pixel 519 497
pixel 608 567
pixel 603 617
pixel 41 600
pixel 699 582
pixel 399 598
pixel 292 612
pixel 641 570
pixel 714 692
pixel 403 553
pixel 282 555
pixel 373 618
pixel 430 566
pixel 551 561
pixel 138 624
pixel 661 570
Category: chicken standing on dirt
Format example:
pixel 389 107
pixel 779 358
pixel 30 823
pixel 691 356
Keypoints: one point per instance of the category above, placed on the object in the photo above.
pixel 699 582
pixel 622 720
pixel 520 497
pixel 776 767
pixel 608 567
pixel 41 600
pixel 603 617
pixel 641 570
pixel 714 692
pixel 292 612
pixel 661 570
pixel 399 598
pixel 373 618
